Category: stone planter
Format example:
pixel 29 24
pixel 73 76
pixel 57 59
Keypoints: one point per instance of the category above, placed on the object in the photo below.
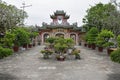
pixel 46 56
pixel 89 45
pixel 100 49
pixel 33 44
pixel 60 58
pixel 93 46
pixel 25 46
pixel 85 44
pixel 29 45
pixel 15 48
pixel 39 43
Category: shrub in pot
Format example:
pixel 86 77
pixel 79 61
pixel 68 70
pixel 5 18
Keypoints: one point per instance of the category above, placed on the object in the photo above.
pixel 104 37
pixel 51 41
pixel 61 45
pixel 33 35
pixel 46 53
pixel 91 37
pixel 107 45
pixel 22 37
pixel 76 53
pixel 100 42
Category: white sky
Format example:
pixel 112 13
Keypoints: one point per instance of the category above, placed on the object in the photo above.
pixel 41 10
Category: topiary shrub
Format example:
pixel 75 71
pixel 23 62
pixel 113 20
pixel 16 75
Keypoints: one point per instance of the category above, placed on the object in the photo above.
pixel 4 52
pixel 115 56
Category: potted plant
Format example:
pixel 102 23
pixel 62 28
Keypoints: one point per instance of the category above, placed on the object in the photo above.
pixel 100 42
pixel 62 45
pixel 76 53
pixel 46 53
pixel 34 36
pixel 61 49
pixel 9 41
pixel 108 46
pixel 22 37
pixel 51 40
pixel 104 37
pixel 91 37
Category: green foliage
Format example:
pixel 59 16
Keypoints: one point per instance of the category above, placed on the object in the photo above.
pixel 4 52
pixel 108 44
pixel 103 38
pixel 99 41
pixel 75 52
pixel 69 42
pixel 62 44
pixel 49 52
pixel 46 53
pixel 87 36
pixel 98 14
pixel 118 41
pixel 60 47
pixel 33 34
pixel 8 39
pixel 21 36
pixel 51 40
pixel 10 16
pixel 115 56
pixel 91 35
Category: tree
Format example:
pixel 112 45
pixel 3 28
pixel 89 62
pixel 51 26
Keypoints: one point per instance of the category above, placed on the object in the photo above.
pixel 97 14
pixel 10 16
pixel 113 22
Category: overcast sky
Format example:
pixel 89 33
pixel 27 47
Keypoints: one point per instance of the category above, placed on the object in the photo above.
pixel 41 10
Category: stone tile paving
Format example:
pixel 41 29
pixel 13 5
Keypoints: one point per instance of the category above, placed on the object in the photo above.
pixel 29 65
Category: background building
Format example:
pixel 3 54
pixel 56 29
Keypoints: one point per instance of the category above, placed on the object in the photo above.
pixel 59 27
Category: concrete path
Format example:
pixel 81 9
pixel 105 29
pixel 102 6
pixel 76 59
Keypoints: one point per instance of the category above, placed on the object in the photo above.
pixel 29 65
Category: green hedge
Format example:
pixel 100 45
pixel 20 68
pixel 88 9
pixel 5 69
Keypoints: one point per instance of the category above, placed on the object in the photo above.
pixel 115 56
pixel 4 52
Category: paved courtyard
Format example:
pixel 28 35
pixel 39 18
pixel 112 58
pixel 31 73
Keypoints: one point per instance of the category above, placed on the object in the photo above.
pixel 29 65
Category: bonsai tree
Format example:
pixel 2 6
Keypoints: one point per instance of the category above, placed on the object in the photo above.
pixel 69 42
pixel 21 37
pixel 104 37
pixel 76 53
pixel 61 45
pixel 46 52
pixel 51 40
pixel 92 34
